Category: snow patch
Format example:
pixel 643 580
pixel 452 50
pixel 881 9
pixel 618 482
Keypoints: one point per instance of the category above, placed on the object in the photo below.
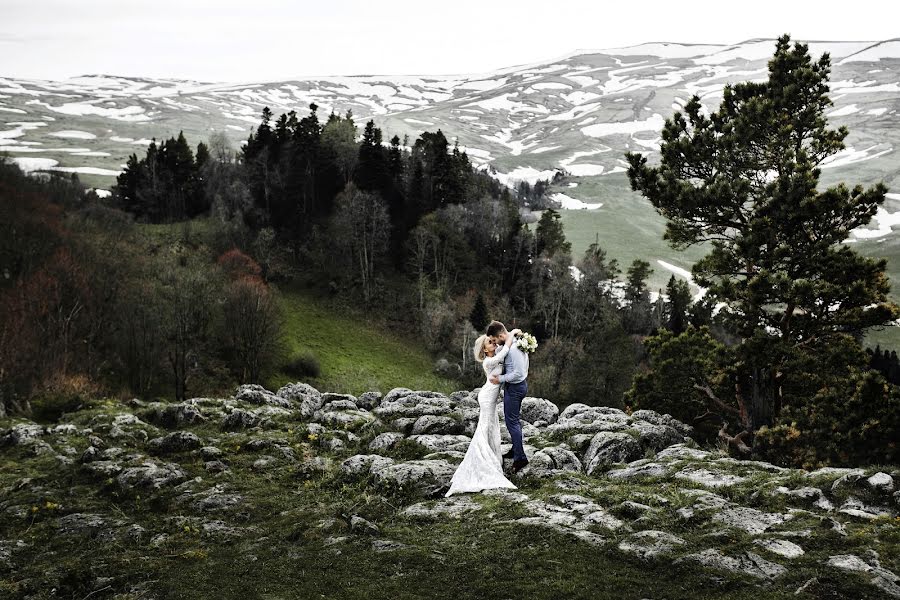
pixel 73 134
pixel 569 203
pixel 654 123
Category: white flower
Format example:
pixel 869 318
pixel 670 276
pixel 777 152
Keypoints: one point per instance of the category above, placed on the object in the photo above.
pixel 526 343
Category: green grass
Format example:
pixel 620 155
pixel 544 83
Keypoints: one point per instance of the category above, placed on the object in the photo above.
pixel 355 355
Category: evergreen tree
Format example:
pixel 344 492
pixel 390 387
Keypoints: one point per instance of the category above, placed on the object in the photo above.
pixel 372 170
pixel 479 315
pixel 745 178
pixel 637 318
pixel 549 235
pixel 679 301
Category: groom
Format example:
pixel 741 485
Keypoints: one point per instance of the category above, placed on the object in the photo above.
pixel 515 375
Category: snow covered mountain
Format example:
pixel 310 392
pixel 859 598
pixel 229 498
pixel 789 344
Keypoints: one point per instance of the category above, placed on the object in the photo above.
pixel 580 113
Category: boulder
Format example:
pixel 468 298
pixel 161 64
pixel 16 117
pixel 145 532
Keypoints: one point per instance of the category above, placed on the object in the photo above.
pixel 610 447
pixel 363 465
pixel 434 424
pixel 650 543
pixel 307 397
pixel 369 400
pixel 240 419
pixel 256 394
pixel 386 441
pixel 177 441
pixel 666 420
pixel 550 461
pixel 539 409
pixel 405 403
pixel 360 526
pixel 422 476
pixel 441 443
pixel 151 475
pixel 175 415
pixel 656 437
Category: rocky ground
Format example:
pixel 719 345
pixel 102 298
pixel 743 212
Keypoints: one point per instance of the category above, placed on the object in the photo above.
pixel 301 494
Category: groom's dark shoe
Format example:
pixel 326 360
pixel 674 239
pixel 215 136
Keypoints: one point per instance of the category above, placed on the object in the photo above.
pixel 508 455
pixel 518 465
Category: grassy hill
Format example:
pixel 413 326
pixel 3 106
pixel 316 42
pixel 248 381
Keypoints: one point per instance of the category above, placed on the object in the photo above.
pixel 354 354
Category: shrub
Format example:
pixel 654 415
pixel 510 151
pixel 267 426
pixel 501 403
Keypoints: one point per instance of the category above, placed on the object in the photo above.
pixel 304 365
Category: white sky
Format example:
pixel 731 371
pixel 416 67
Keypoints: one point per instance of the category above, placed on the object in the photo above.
pixel 245 40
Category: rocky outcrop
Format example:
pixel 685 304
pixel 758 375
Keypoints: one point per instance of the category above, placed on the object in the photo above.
pixel 374 469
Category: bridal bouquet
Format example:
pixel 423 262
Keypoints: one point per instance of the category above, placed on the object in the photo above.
pixel 526 343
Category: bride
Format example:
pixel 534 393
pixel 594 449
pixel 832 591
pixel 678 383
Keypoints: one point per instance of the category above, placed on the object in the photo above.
pixel 482 467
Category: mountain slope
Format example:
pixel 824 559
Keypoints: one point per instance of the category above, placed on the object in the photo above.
pixel 580 113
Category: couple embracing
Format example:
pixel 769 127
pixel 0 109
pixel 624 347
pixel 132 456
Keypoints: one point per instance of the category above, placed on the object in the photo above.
pixel 505 364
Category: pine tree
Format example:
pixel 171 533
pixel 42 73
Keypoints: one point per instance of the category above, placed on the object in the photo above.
pixel 479 315
pixel 549 235
pixel 372 170
pixel 745 178
pixel 679 301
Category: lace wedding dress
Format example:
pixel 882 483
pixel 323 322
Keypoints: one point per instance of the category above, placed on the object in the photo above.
pixel 482 467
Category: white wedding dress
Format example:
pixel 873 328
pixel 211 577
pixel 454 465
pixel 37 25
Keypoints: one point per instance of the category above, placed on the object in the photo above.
pixel 482 467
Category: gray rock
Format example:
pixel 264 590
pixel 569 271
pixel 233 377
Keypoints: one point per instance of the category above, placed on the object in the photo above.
pixel 550 461
pixel 638 470
pixel 747 563
pixel 307 397
pixel 175 415
pixel 809 495
pixel 848 480
pixel 215 466
pixel 256 394
pixel 369 400
pixel 423 476
pixel 880 577
pixel 881 482
pixel 85 525
pixel 386 441
pixel 240 419
pixel 656 437
pixel 783 548
pixel 666 420
pixel 539 409
pixel 263 463
pixel 361 526
pixel 215 499
pixel 90 455
pixel 177 441
pixel 650 543
pixel 608 447
pixel 713 479
pixel 405 403
pixel 22 434
pixel 151 475
pixel 435 424
pixel 681 452
pixel 454 507
pixel 580 418
pixel 749 519
pixel 441 443
pixel 344 418
pixel 210 453
pixel 857 508
pixel 363 465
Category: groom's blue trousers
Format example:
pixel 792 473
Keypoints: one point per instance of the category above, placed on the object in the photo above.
pixel 512 406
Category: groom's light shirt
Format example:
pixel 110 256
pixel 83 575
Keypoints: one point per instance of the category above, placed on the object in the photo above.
pixel 515 366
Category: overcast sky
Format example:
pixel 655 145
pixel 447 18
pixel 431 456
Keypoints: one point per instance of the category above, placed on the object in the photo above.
pixel 230 40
